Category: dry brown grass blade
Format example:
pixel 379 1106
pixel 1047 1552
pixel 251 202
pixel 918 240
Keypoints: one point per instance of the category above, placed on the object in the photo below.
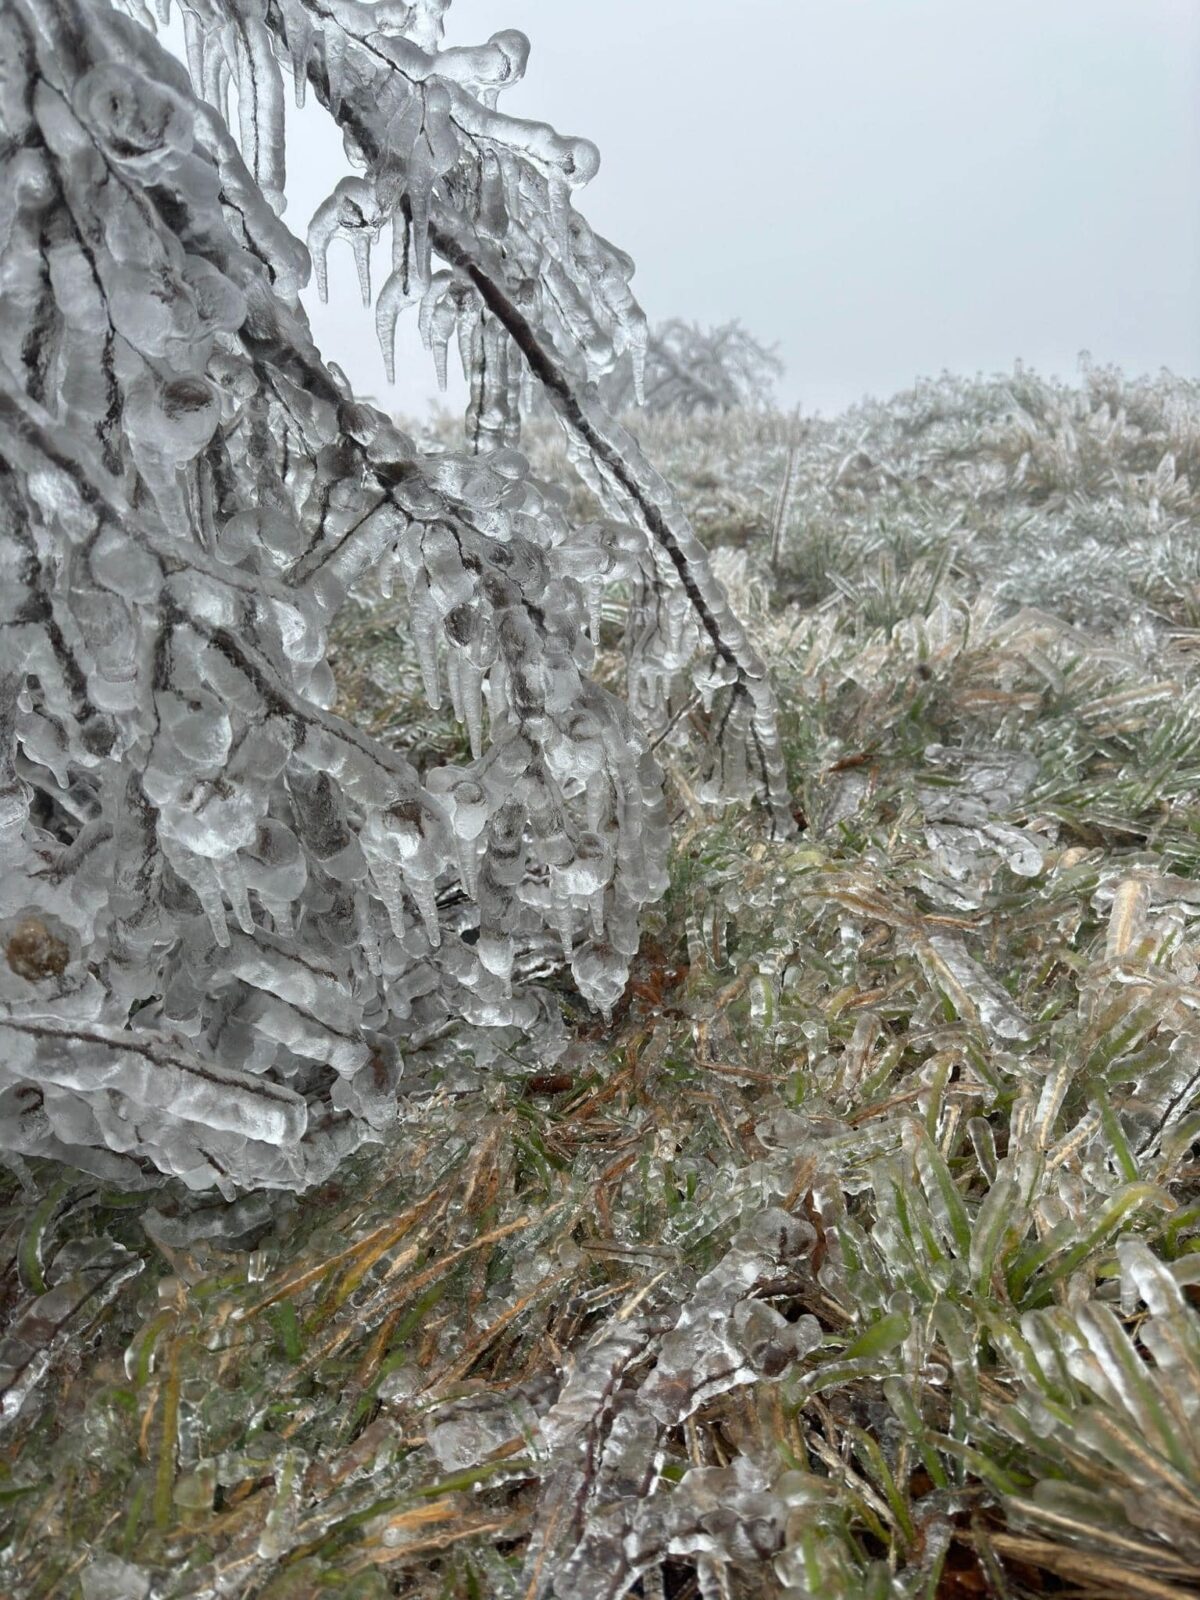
pixel 388 1299
pixel 367 1250
pixel 1098 1578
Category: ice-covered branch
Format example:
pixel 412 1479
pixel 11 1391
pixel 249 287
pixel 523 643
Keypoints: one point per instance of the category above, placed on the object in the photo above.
pixel 205 870
pixel 448 194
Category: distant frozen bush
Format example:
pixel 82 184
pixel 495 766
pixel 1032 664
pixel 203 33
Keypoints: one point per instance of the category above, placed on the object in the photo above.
pixel 688 369
pixel 227 915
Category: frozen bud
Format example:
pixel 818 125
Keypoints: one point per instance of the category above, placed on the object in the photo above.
pixel 770 1342
pixel 274 864
pixel 197 726
pixel 526 566
pixel 592 867
pixel 496 952
pixel 506 843
pixel 34 951
pixel 510 465
pixel 131 114
pixel 512 49
pixel 519 640
pixel 467 629
pixel 151 308
pixel 449 583
pixel 107 625
pixel 413 826
pixel 340 923
pixel 263 752
pixel 470 808
pixel 513 757
pixel 174 418
pixel 32 180
pixel 600 973
pixel 122 566
pixel 220 304
pixel 324 828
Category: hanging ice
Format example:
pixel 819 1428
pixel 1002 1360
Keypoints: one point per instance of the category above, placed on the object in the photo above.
pixel 226 914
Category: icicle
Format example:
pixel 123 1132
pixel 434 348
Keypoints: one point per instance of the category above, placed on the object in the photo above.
pixel 424 894
pixel 336 51
pixel 321 231
pixel 562 913
pixel 352 211
pixel 436 321
pixel 301 39
pixel 360 244
pixel 637 346
pixel 425 631
pixel 470 348
pixel 401 242
pixel 418 196
pixel 471 688
pixel 194 39
pixel 491 211
pixel 558 210
pixel 280 913
pixel 393 298
pixel 597 801
pixel 386 572
pixel 594 589
pixel 229 875
pixel 389 884
pixel 468 852
pixel 217 74
pixel 260 108
pixel 202 877
pixel 453 668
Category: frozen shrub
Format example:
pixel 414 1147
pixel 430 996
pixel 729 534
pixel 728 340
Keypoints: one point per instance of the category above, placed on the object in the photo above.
pixel 229 917
pixel 688 369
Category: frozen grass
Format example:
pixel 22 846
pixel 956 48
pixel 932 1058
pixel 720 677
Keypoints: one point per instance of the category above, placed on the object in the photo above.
pixel 859 1257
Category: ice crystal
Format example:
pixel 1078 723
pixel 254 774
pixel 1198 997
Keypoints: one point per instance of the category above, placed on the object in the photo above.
pixel 228 915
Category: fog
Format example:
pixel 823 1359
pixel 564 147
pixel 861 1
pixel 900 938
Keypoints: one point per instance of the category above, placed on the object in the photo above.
pixel 883 189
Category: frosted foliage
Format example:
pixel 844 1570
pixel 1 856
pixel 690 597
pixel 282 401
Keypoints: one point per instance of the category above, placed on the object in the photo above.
pixel 689 369
pixel 608 1515
pixel 230 920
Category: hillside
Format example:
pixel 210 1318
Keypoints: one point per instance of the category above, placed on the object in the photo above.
pixel 855 1257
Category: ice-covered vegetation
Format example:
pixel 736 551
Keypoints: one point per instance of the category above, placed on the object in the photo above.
pixel 238 931
pixel 855 1259
pixel 686 369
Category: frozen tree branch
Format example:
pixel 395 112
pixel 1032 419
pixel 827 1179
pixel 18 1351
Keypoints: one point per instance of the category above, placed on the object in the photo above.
pixel 230 920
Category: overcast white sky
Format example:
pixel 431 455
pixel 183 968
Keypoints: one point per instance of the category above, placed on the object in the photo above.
pixel 886 188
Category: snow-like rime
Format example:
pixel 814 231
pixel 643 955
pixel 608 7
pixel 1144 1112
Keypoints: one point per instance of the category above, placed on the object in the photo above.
pixel 228 917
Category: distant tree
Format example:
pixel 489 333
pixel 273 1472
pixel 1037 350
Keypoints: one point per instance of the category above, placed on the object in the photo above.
pixel 229 918
pixel 688 369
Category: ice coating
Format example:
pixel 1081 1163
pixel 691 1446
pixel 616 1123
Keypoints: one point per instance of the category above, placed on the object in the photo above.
pixel 487 241
pixel 230 919
pixel 604 1517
